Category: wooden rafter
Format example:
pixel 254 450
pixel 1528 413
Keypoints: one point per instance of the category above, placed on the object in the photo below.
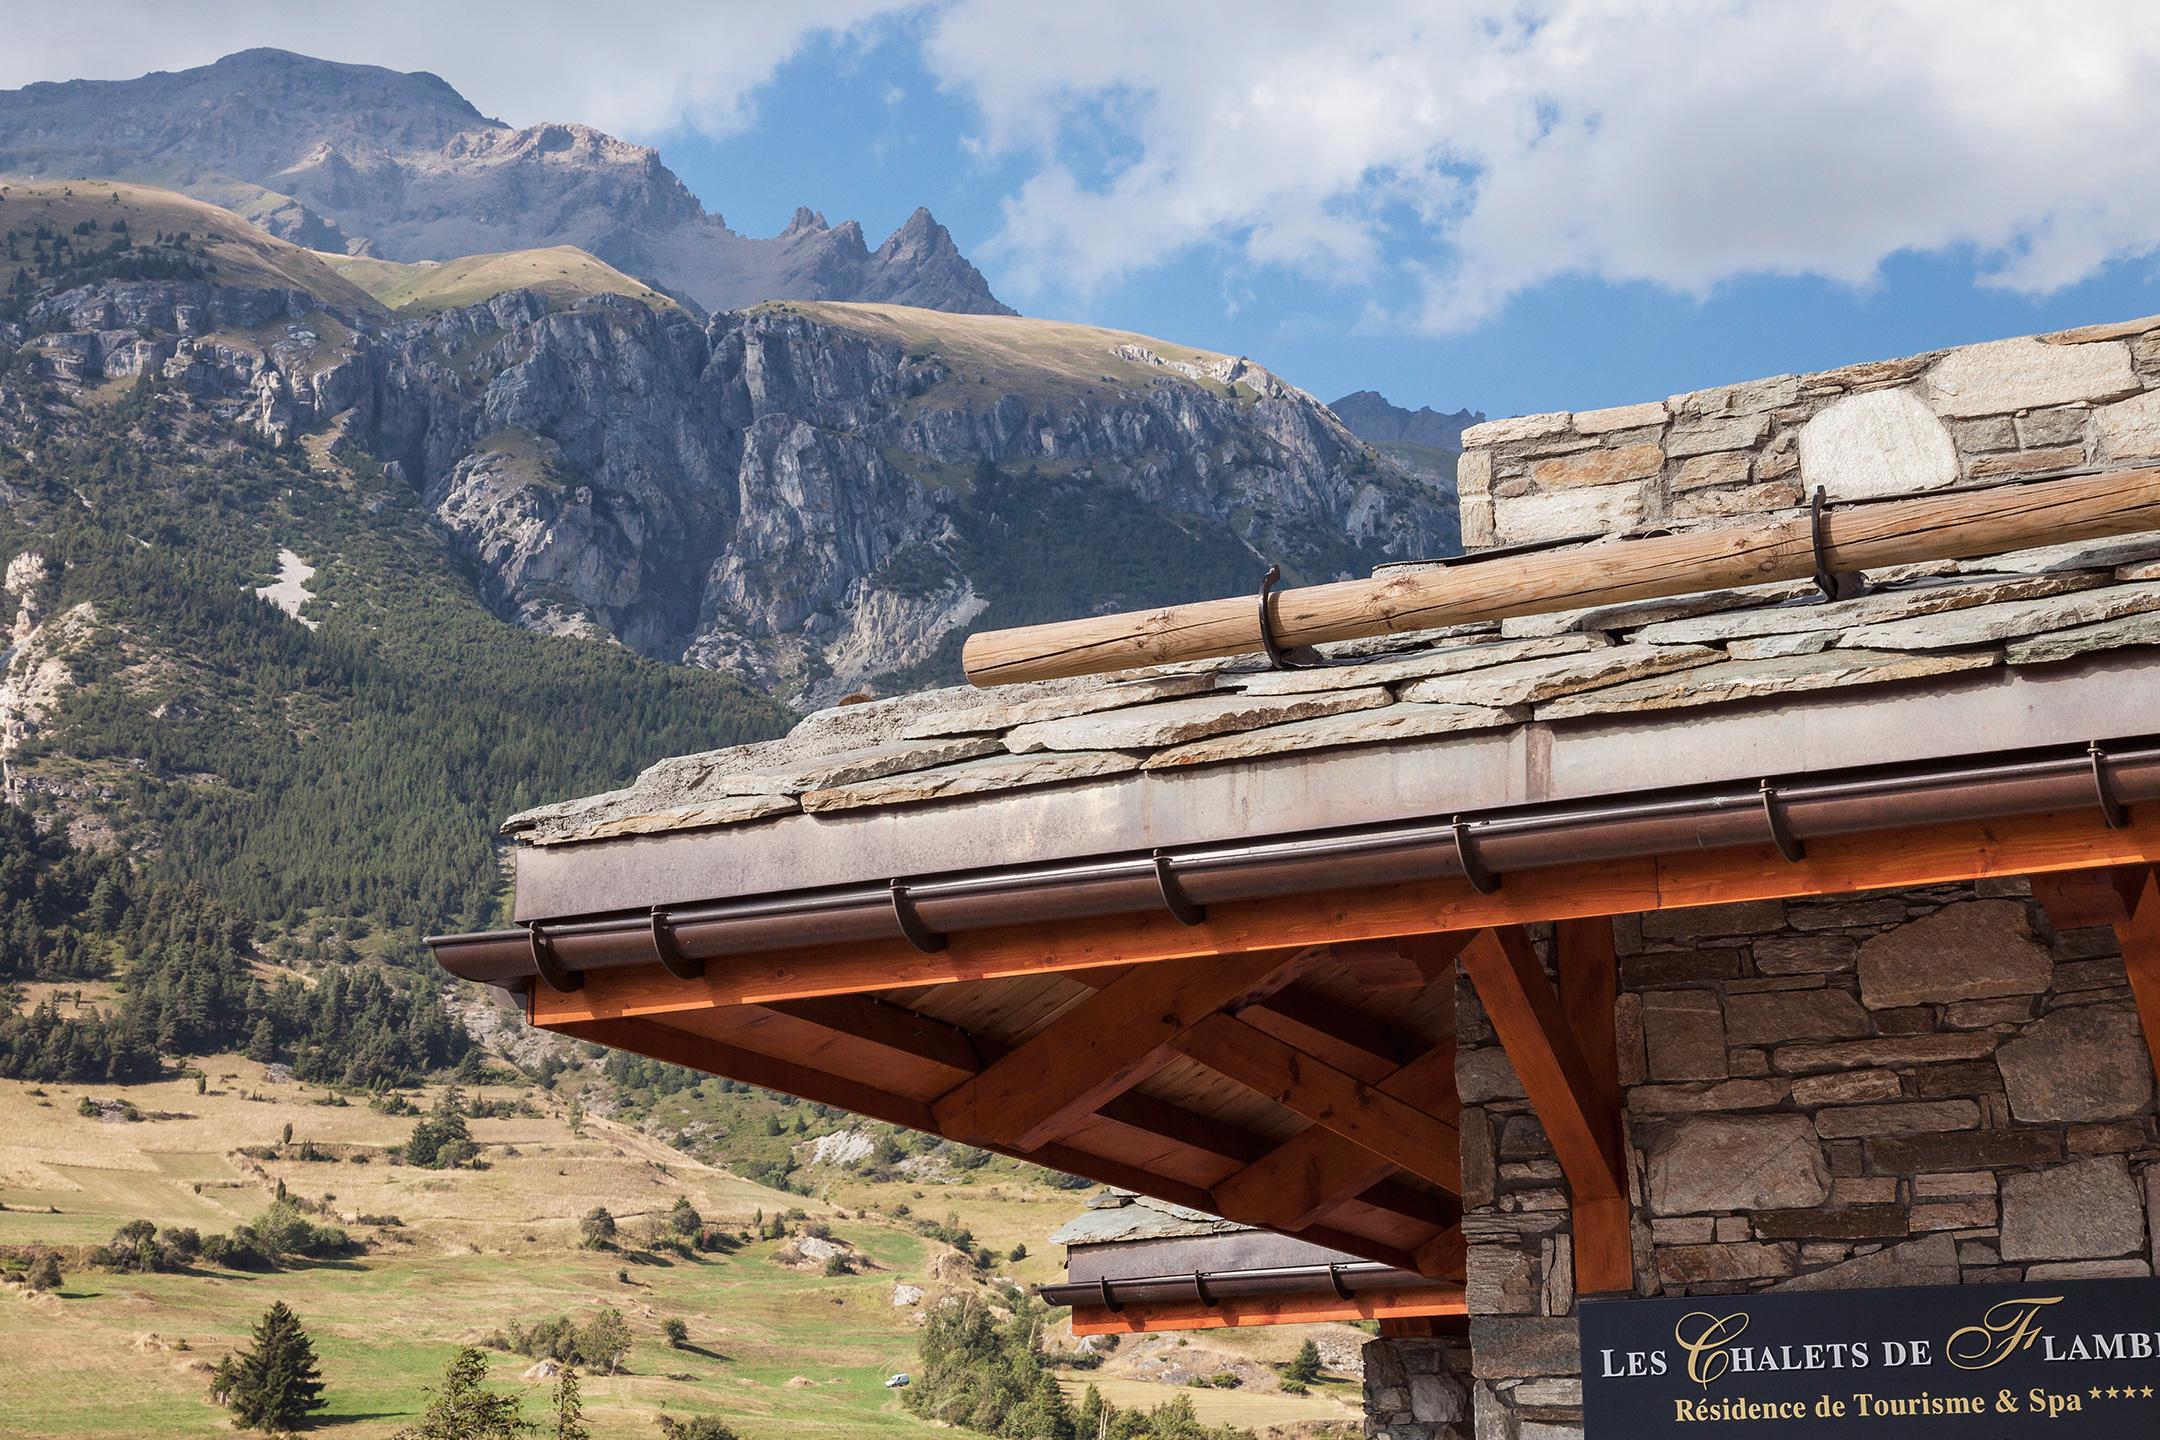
pixel 1316 1169
pixel 1365 1115
pixel 1104 1046
pixel 703 1052
pixel 1929 855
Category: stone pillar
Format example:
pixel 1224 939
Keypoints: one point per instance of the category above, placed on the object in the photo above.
pixel 1417 1388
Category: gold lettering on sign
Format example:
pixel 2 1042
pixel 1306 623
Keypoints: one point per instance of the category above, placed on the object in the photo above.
pixel 1707 1357
pixel 2008 1327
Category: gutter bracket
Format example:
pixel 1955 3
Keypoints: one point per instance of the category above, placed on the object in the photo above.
pixel 670 951
pixel 1334 1275
pixel 1109 1301
pixel 547 966
pixel 1834 586
pixel 912 929
pixel 1788 844
pixel 1200 1290
pixel 2112 808
pixel 1174 899
pixel 1474 870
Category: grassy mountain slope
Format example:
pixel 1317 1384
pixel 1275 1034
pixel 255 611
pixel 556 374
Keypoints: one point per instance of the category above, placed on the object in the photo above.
pixel 563 273
pixel 358 768
pixel 778 1353
pixel 89 217
pixel 993 355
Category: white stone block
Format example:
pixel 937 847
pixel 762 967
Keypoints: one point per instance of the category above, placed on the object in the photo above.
pixel 1880 442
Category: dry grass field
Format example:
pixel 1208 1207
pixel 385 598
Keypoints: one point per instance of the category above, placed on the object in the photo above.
pixel 245 257
pixel 775 1351
pixel 562 273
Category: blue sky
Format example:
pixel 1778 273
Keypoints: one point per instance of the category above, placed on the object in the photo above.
pixel 1509 205
pixel 863 131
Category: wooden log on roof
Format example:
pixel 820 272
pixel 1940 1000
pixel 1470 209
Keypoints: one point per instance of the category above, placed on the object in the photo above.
pixel 1858 537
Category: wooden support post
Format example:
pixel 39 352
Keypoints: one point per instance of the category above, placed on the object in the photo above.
pixel 2080 899
pixel 1589 991
pixel 2139 933
pixel 1533 1028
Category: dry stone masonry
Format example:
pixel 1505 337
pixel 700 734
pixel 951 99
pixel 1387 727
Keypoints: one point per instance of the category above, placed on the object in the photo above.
pixel 1924 1087
pixel 1927 1087
pixel 2072 400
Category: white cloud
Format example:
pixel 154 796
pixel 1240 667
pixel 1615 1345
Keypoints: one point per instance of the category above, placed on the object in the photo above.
pixel 640 68
pixel 1476 151
pixel 1434 157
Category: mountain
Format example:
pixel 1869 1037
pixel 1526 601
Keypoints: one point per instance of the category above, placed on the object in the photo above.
pixel 1423 441
pixel 364 160
pixel 812 498
pixel 1370 416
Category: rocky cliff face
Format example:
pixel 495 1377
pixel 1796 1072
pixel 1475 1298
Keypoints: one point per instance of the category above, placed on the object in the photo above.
pixel 354 157
pixel 815 496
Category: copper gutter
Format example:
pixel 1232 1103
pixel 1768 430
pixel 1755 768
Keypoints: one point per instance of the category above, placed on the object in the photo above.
pixel 1485 849
pixel 1210 1288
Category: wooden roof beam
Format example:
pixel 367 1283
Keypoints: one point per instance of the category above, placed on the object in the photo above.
pixel 1104 1046
pixel 1840 865
pixel 2139 934
pixel 1313 1171
pixel 1367 1117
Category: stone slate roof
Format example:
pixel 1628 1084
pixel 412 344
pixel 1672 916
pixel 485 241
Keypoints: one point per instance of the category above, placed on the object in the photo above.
pixel 1715 648
pixel 1116 1216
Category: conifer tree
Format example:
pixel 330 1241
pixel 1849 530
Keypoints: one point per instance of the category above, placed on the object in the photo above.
pixel 1305 1368
pixel 463 1408
pixel 275 1383
pixel 568 1420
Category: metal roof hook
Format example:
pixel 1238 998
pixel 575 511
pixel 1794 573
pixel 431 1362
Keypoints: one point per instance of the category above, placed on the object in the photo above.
pixel 1109 1302
pixel 910 921
pixel 548 965
pixel 2112 808
pixel 1834 585
pixel 1200 1290
pixel 1277 658
pixel 1334 1275
pixel 1788 844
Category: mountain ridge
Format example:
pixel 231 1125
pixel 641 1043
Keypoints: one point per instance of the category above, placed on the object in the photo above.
pixel 364 159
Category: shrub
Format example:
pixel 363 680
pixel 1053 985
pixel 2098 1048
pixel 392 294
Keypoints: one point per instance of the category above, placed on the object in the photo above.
pixel 699 1427
pixel 601 1343
pixel 44 1272
pixel 597 1230
pixel 676 1332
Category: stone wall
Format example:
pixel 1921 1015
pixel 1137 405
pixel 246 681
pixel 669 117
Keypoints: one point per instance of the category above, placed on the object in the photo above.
pixel 1417 1388
pixel 2071 400
pixel 1921 1087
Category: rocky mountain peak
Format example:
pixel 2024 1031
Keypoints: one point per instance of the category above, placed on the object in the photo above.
pixel 400 166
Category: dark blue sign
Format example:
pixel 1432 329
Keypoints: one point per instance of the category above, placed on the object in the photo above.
pixel 2074 1360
